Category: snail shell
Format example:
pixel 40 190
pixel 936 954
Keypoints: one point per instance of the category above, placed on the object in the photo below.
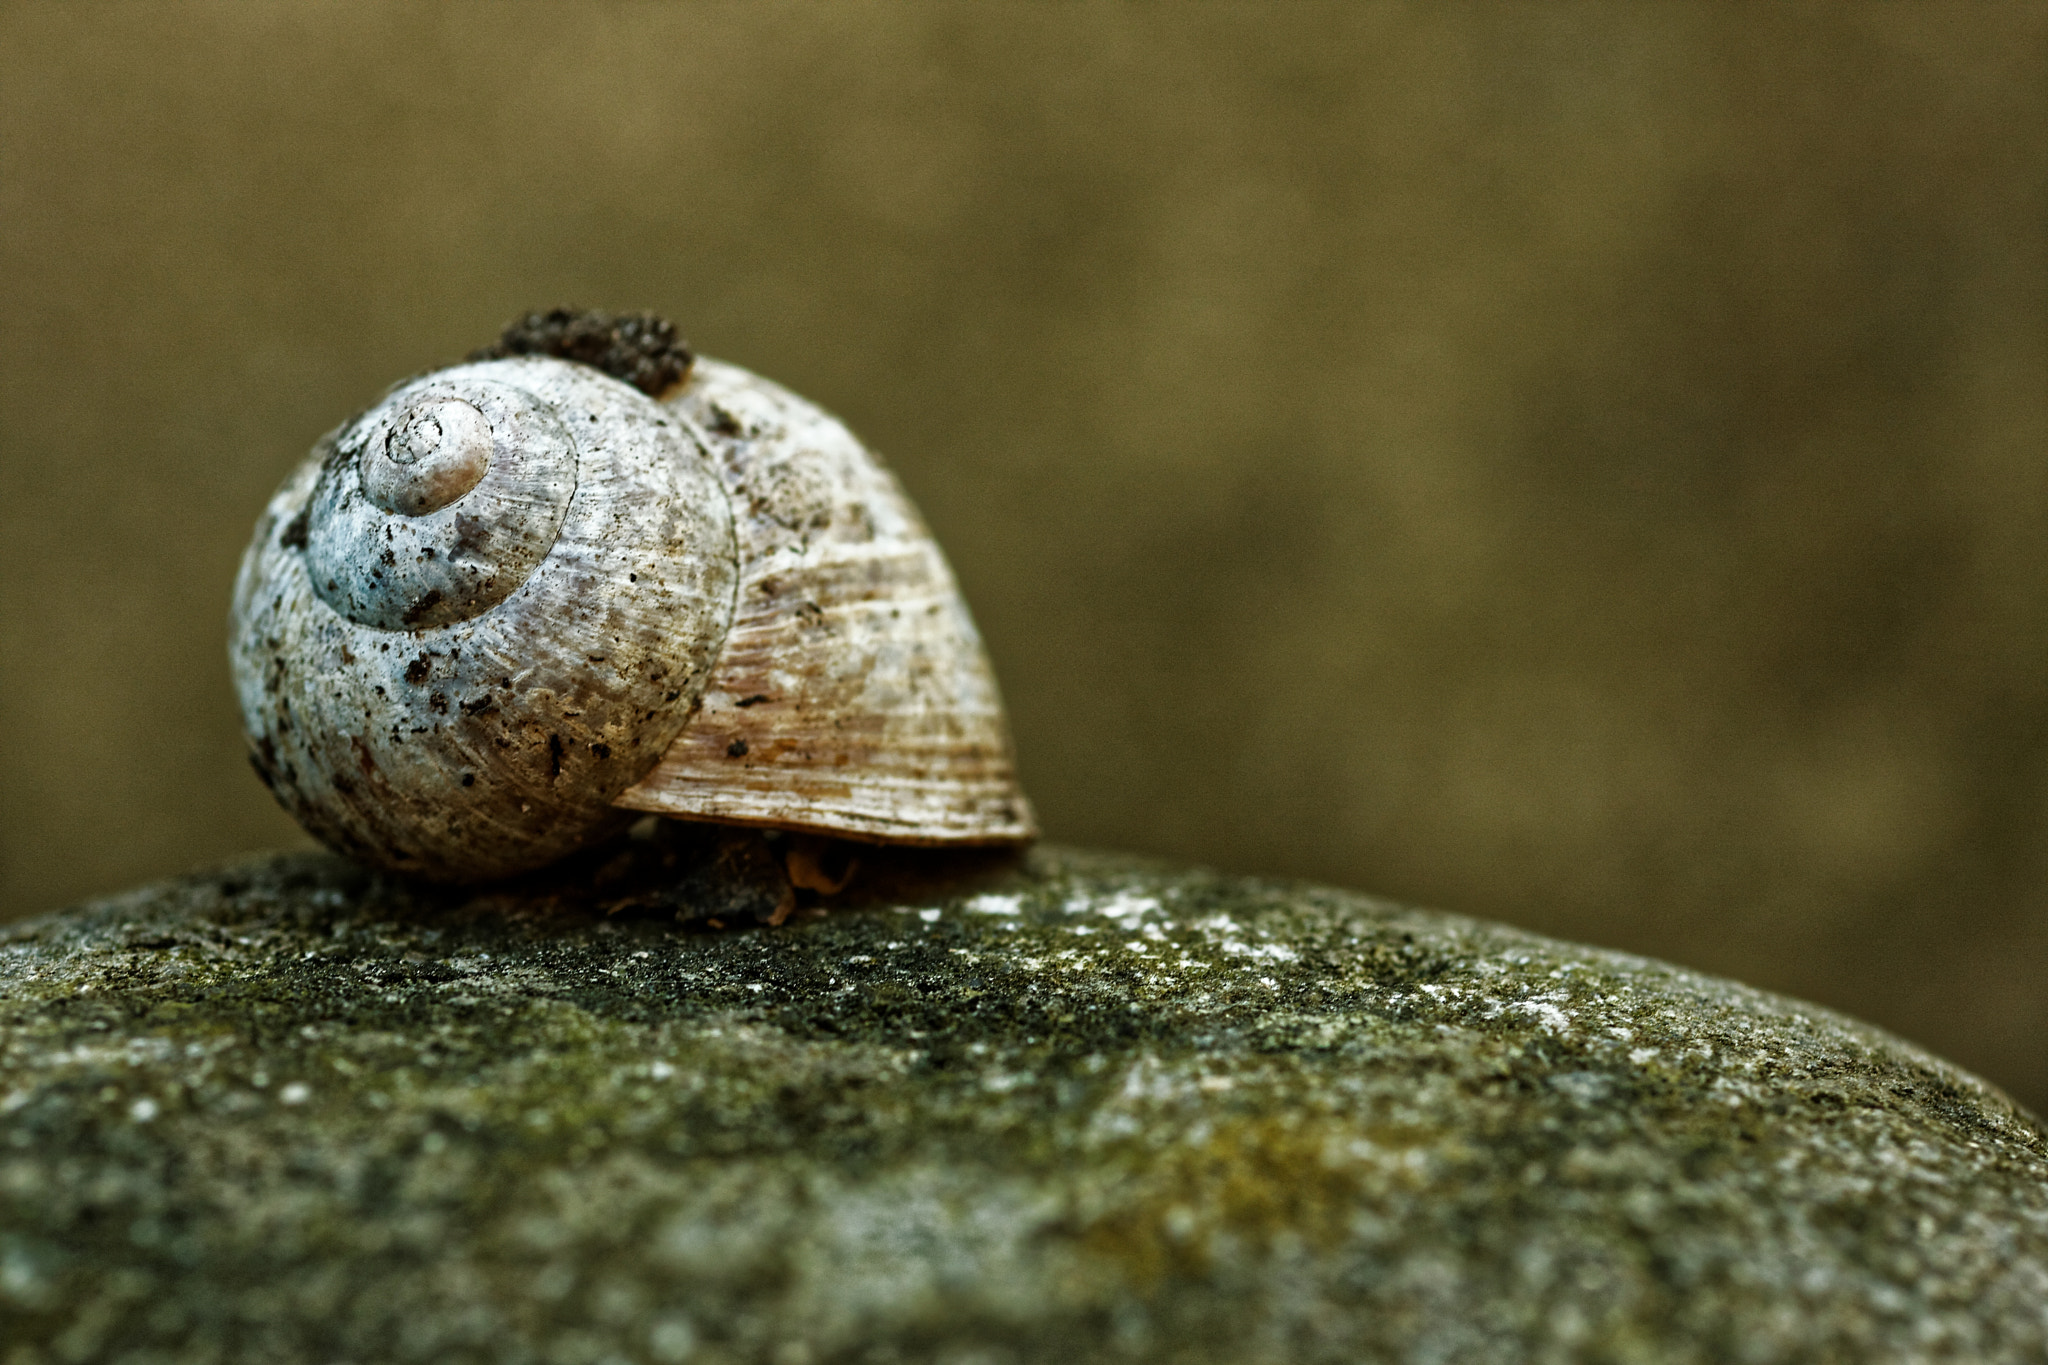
pixel 519 600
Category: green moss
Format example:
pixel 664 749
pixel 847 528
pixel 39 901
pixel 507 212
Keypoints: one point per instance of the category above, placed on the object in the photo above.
pixel 1072 1108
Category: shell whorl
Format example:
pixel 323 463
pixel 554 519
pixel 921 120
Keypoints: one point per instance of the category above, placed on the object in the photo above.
pixel 436 505
pixel 459 681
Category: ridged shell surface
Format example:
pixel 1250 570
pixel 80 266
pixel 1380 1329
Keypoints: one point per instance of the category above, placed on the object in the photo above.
pixel 853 696
pixel 457 676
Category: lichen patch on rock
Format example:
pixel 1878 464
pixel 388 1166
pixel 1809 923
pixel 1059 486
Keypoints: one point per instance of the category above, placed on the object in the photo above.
pixel 1068 1108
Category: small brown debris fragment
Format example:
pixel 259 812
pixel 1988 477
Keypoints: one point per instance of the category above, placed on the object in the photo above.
pixel 821 865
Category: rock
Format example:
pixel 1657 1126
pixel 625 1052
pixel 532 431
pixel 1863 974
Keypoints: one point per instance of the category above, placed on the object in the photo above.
pixel 1072 1108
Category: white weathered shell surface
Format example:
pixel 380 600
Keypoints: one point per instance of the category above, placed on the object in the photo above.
pixel 853 695
pixel 483 737
pixel 379 557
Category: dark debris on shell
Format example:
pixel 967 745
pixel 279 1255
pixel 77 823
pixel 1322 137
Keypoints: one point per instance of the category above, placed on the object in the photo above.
pixel 643 349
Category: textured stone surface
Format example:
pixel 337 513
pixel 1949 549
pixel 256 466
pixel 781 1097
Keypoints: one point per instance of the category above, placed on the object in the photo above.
pixel 1068 1109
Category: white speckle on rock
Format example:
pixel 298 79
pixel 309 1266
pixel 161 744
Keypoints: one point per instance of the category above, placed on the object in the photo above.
pixel 1129 904
pixel 298 1092
pixel 143 1110
pixel 994 905
pixel 1546 1014
pixel 1270 952
pixel 930 916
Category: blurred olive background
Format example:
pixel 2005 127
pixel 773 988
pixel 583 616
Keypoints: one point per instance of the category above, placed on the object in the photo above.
pixel 1580 465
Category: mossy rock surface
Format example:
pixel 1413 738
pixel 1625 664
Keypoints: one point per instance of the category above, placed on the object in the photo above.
pixel 1069 1109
